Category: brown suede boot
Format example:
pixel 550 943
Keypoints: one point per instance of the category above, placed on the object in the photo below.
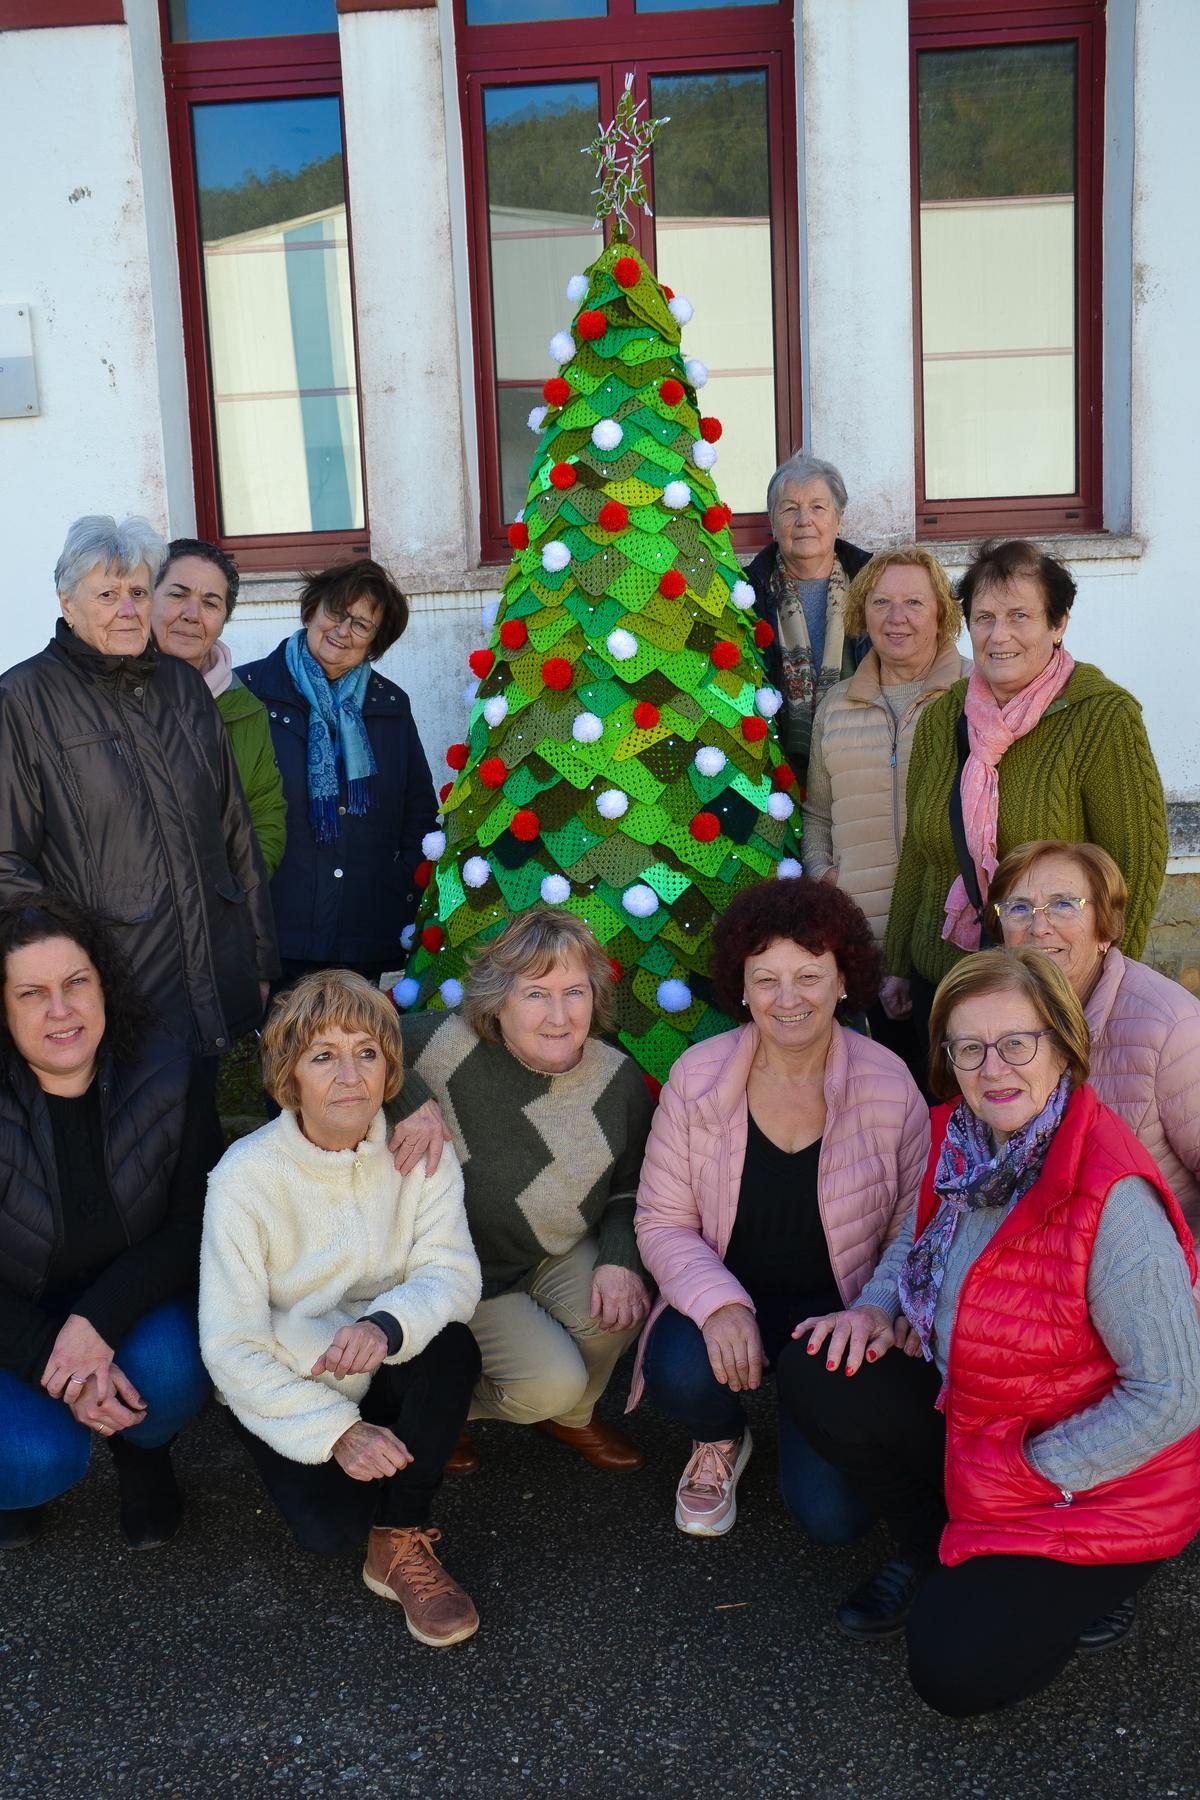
pixel 402 1565
pixel 464 1458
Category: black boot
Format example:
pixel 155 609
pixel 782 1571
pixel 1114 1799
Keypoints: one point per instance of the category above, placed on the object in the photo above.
pixel 19 1526
pixel 881 1604
pixel 1104 1632
pixel 151 1504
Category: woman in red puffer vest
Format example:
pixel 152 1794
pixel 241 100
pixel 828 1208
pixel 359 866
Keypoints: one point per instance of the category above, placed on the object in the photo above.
pixel 1036 1452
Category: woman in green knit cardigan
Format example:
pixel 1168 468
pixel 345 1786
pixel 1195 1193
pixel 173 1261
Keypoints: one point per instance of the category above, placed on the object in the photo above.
pixel 1071 756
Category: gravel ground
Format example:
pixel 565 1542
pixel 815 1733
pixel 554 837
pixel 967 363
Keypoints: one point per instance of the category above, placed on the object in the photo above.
pixel 615 1656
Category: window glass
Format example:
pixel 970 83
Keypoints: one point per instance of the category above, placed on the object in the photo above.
pixel 533 137
pixel 518 12
pixel 712 229
pixel 996 151
pixel 272 204
pixel 193 21
pixel 658 6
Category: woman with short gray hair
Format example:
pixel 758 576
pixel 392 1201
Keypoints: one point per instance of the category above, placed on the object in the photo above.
pixel 800 584
pixel 118 789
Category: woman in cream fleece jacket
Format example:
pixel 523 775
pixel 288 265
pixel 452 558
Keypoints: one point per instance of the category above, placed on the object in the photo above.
pixel 334 1295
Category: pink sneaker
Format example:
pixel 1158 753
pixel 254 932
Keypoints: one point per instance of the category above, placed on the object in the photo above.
pixel 706 1498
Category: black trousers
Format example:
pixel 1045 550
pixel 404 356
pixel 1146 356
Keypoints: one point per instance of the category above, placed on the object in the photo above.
pixel 992 1630
pixel 425 1403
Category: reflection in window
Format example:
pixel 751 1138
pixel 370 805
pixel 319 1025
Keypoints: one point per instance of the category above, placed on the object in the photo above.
pixel 533 136
pixel 996 150
pixel 195 21
pixel 659 6
pixel 272 203
pixel 712 228
pixel 519 12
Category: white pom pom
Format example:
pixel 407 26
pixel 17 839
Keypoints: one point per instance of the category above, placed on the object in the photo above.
pixel 433 845
pixel 537 418
pixel 768 701
pixel 742 595
pixel 640 900
pixel 703 454
pixel 476 871
pixel 406 991
pixel 407 936
pixel 621 645
pixel 495 710
pixel 555 556
pixel 674 996
pixel 681 310
pixel 612 804
pixel 488 613
pixel 577 288
pixel 788 869
pixel 696 372
pixel 587 728
pixel 562 347
pixel 606 434
pixel 710 760
pixel 677 495
pixel 555 889
pixel 469 693
pixel 781 806
pixel 451 991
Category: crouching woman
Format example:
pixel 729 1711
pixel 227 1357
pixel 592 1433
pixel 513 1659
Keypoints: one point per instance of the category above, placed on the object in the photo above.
pixel 334 1295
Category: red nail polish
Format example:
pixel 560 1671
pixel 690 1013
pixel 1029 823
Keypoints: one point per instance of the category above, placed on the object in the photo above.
pixel 830 1365
pixel 870 1356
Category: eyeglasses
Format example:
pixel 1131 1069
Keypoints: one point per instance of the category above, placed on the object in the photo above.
pixel 1016 1048
pixel 1060 909
pixel 361 630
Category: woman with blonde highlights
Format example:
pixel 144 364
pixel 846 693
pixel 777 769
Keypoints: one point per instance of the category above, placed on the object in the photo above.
pixel 333 1299
pixel 550 1122
pixel 1036 1451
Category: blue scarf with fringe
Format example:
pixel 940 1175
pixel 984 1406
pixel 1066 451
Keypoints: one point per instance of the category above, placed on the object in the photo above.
pixel 336 734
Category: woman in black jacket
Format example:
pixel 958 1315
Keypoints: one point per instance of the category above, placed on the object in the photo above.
pixel 357 785
pixel 106 1140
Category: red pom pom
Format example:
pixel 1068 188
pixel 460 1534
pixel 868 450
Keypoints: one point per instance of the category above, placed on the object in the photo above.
pixel 764 633
pixel 518 536
pixel 423 873
pixel 710 430
pixel 668 293
pixel 728 511
pixel 513 634
pixel 446 789
pixel 525 825
pixel 714 518
pixel 562 475
pixel 672 585
pixel 626 272
pixel 433 937
pixel 782 776
pixel 591 325
pixel 670 391
pixel 646 715
pixel 481 662
pixel 613 516
pixel 556 391
pixel 705 827
pixel 493 771
pixel 724 654
pixel 557 673
pixel 617 970
pixel 754 729
pixel 456 756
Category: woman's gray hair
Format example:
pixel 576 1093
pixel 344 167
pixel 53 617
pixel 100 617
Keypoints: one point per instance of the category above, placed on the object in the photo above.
pixel 799 468
pixel 97 541
pixel 529 946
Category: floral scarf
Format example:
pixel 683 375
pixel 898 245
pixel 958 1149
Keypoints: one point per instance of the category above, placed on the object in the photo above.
pixel 972 1173
pixel 804 684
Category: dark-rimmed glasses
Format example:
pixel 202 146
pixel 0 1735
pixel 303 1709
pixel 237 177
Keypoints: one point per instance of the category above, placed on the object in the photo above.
pixel 1016 1048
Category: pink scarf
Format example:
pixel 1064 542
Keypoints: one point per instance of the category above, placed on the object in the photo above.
pixel 220 676
pixel 991 728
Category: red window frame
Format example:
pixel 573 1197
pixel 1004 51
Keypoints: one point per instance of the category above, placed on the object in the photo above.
pixel 243 69
pixel 953 24
pixel 603 50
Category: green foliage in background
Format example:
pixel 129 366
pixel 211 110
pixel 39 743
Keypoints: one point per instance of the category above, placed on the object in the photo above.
pixel 997 121
pixel 271 200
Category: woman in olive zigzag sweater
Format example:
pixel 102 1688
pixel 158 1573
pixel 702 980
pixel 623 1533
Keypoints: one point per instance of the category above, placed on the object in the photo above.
pixel 1032 744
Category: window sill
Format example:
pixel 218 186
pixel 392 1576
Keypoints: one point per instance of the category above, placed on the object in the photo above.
pixel 1084 547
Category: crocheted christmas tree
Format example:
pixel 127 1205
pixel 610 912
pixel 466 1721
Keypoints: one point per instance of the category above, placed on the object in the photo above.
pixel 619 760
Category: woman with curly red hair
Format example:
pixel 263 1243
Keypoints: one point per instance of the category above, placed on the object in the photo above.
pixel 782 1159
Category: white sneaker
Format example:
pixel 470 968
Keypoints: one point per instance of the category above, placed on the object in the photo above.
pixel 706 1498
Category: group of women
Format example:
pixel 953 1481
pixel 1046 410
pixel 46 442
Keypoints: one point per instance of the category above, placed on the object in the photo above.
pixel 978 1327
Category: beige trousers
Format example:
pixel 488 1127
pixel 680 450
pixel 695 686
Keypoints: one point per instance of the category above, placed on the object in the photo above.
pixel 544 1355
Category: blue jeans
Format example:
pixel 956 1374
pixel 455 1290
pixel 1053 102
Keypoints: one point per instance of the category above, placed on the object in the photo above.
pixel 680 1381
pixel 44 1451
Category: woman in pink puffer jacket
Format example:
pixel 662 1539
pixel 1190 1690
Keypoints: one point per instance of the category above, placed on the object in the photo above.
pixel 782 1160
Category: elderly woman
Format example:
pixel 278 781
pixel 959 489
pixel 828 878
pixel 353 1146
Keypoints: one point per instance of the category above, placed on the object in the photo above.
pixel 1040 1437
pixel 550 1122
pixel 800 584
pixel 1034 745
pixel 1068 901
pixel 358 790
pixel 107 1143
pixel 332 1298
pixel 862 739
pixel 196 591
pixel 782 1159
pixel 118 787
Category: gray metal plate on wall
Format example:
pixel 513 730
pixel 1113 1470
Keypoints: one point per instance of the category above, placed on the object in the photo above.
pixel 18 376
